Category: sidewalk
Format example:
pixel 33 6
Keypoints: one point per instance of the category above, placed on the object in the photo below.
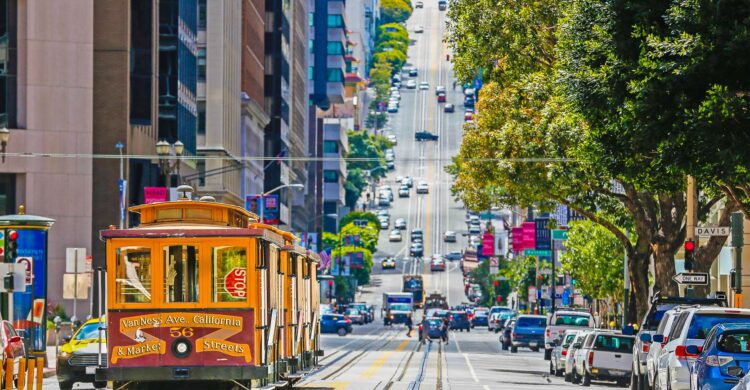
pixel 49 371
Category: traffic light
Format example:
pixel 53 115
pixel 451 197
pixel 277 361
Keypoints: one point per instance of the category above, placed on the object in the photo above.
pixel 499 299
pixel 12 246
pixel 689 254
pixel 496 283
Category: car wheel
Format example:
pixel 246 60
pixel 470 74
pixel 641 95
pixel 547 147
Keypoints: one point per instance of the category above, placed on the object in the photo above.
pixel 513 349
pixel 341 332
pixel 586 380
pixel 547 354
pixel 468 329
pixel 534 349
pixel 567 377
pixel 100 385
pixel 64 385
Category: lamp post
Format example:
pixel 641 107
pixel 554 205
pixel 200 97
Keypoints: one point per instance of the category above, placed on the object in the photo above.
pixel 263 195
pixel 372 183
pixel 123 188
pixel 4 138
pixel 163 150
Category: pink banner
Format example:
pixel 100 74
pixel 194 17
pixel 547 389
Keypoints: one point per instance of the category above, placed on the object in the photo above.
pixel 529 235
pixel 488 244
pixel 154 194
pixel 518 243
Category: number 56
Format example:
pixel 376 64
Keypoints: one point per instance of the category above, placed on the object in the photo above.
pixel 181 332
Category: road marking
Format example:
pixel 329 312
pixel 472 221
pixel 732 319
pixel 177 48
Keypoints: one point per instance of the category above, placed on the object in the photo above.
pixel 377 364
pixel 471 368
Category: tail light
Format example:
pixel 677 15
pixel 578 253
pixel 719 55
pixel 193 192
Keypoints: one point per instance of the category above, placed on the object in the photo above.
pixel 564 352
pixel 681 352
pixel 513 334
pixel 718 361
pixel 348 321
pixel 591 358
pixel 644 348
pixel 549 332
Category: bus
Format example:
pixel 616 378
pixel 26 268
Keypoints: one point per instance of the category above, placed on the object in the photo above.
pixel 415 285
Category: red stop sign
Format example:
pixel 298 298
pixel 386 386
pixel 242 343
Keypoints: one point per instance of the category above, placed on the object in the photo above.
pixel 235 282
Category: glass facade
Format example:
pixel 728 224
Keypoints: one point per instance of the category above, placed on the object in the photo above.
pixel 141 61
pixel 8 63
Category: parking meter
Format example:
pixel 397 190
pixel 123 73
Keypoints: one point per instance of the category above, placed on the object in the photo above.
pixel 57 322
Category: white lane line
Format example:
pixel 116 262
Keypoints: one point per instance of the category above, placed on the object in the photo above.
pixel 485 387
pixel 471 368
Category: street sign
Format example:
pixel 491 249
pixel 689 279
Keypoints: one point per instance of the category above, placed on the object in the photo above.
pixel 537 252
pixel 708 231
pixel 559 234
pixel 693 278
pixel 235 282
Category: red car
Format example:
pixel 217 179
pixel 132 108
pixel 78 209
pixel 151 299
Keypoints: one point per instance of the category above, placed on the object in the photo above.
pixel 12 344
pixel 469 116
pixel 441 97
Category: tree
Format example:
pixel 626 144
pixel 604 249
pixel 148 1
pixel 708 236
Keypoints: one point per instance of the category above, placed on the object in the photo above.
pixel 392 44
pixel 380 79
pixel 594 258
pixel 520 273
pixel 392 32
pixel 394 58
pixel 366 152
pixel 361 215
pixel 395 11
pixel 355 184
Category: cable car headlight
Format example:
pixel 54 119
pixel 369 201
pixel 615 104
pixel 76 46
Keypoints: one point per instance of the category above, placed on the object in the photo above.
pixel 181 348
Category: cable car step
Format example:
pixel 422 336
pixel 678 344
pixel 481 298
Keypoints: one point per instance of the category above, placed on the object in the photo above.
pixel 274 385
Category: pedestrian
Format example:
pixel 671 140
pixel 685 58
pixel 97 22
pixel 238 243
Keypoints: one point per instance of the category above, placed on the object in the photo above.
pixel 444 330
pixel 409 325
pixel 454 85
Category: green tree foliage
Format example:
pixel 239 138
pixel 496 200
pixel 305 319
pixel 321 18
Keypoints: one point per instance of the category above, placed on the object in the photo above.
pixel 520 274
pixel 355 183
pixel 366 152
pixel 395 58
pixel 380 79
pixel 392 44
pixel 595 260
pixel 395 11
pixel 356 215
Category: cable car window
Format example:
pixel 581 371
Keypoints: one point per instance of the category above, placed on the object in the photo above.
pixel 181 273
pixel 133 275
pixel 229 274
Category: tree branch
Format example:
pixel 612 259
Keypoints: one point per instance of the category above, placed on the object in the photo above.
pixel 601 221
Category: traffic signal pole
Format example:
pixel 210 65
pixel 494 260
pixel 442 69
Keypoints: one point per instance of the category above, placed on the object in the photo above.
pixel 737 241
pixel 691 221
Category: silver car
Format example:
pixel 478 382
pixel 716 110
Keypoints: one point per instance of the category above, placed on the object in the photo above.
pixel 560 352
pixel 570 356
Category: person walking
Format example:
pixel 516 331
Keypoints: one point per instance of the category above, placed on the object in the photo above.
pixel 409 325
pixel 444 330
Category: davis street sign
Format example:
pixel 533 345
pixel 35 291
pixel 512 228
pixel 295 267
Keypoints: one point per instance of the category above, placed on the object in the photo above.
pixel 537 252
pixel 708 231
pixel 694 278
pixel 559 234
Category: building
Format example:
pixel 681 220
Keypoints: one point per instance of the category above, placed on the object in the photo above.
pixel 326 85
pixel 47 87
pixel 286 96
pixel 144 86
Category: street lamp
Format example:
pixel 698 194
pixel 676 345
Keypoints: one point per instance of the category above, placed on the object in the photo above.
pixel 4 137
pixel 163 150
pixel 263 195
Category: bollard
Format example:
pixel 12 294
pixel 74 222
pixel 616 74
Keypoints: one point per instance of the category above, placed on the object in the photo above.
pixel 39 373
pixel 8 374
pixel 30 370
pixel 21 383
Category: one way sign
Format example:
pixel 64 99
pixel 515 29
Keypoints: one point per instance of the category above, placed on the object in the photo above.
pixel 693 278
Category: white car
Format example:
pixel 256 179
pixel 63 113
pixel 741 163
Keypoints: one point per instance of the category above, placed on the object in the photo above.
pixel 395 235
pixel 561 321
pixel 691 328
pixel 403 192
pixel 570 357
pixel 399 179
pixel 423 188
pixel 419 29
pixel 408 181
pixel 605 355
pixel 392 137
pixel 424 85
pixel 557 361
pixel 400 224
pixel 449 236
pixel 389 262
pixel 411 84
pixel 392 108
pixel 657 342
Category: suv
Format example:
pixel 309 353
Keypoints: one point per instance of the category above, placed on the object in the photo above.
pixel 604 355
pixel 692 326
pixel 559 322
pixel 659 306
pixel 425 135
pixel 528 331
pixel 459 320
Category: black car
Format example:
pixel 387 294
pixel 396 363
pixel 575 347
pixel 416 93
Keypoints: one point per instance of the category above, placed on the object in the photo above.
pixel 449 107
pixel 505 337
pixel 469 102
pixel 425 135
pixel 412 72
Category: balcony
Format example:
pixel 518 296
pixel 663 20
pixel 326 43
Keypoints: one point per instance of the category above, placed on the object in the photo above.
pixel 334 192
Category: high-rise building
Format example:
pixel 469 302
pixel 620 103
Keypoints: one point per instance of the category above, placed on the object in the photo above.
pixel 286 101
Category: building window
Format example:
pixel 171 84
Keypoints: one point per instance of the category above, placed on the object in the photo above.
pixel 311 43
pixel 310 73
pixel 202 64
pixel 330 147
pixel 200 166
pixel 335 21
pixel 334 48
pixel 311 19
pixel 335 75
pixel 202 118
pixel 330 176
pixel 8 63
pixel 202 14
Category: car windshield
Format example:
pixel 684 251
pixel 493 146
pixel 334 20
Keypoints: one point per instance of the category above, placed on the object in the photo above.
pixel 352 311
pixel 569 339
pixel 702 323
pixel 434 323
pixel 735 341
pixel 87 332
pixel 400 307
pixel 531 322
pixel 572 320
pixel 614 343
pixel 652 320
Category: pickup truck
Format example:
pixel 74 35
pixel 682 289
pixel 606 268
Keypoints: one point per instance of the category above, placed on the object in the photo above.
pixel 527 332
pixel 605 355
pixel 559 322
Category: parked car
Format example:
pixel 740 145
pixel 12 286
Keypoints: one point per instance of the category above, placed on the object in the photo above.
pixel 449 107
pixel 437 265
pixel 413 72
pixel 424 135
pixel 449 236
pixel 440 89
pixel 423 188
pixel 367 311
pixel 388 263
pixel 416 233
pixel 411 84
pixel 419 29
pixel 335 323
pixel 480 318
pixel 355 316
pixel 392 108
pixel 468 116
pixel 392 138
pixel 557 362
pixel 419 4
pixel 570 356
pixel 475 229
pixel 528 332
pixel 726 346
pixel 453 255
pixel 657 342
pixel 459 320
pixel 605 355
pixel 77 358
pixel 384 222
pixel 505 336
pixel 394 236
pixel 692 326
pixel 494 323
pixel 658 306
pixel 560 321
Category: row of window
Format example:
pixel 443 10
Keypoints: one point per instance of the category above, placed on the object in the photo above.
pixel 332 21
pixel 332 74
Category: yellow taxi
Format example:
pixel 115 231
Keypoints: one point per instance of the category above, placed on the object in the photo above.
pixel 77 358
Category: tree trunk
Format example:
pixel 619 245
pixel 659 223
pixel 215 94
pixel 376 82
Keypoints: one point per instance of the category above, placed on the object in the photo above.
pixel 664 271
pixel 638 267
